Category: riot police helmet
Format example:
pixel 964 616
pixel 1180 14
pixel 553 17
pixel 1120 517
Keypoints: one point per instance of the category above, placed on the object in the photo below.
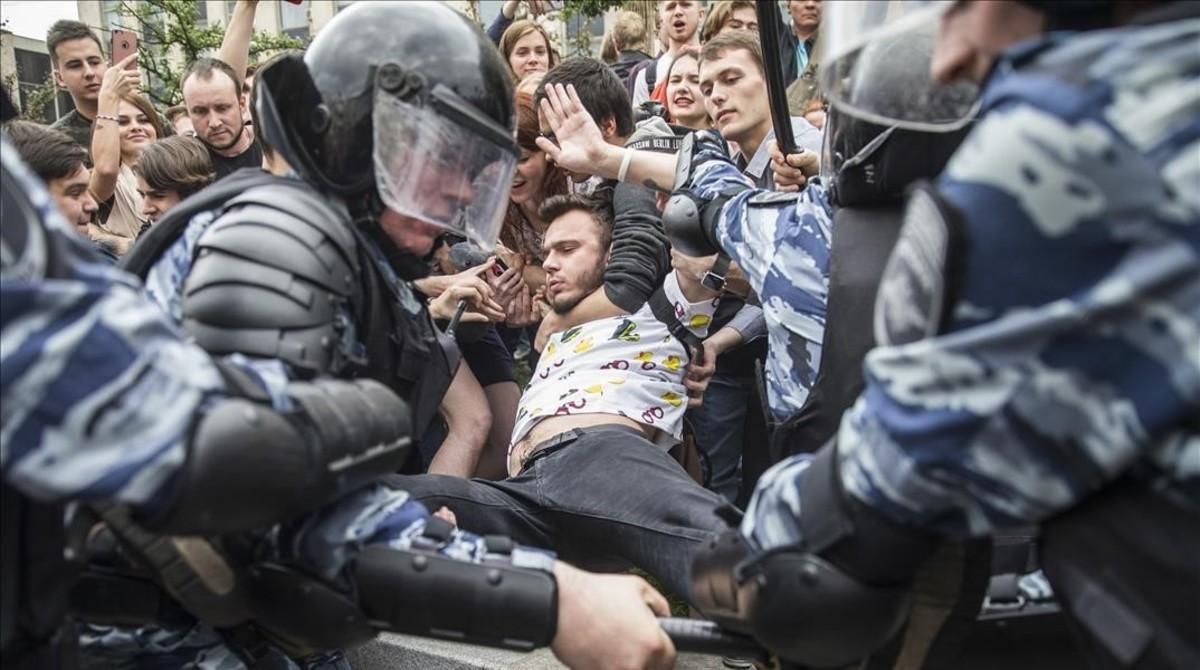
pixel 890 124
pixel 403 105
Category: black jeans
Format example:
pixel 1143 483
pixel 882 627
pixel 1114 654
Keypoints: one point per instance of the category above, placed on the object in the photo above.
pixel 603 498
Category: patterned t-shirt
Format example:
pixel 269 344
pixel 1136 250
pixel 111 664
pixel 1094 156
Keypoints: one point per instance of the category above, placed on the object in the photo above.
pixel 630 366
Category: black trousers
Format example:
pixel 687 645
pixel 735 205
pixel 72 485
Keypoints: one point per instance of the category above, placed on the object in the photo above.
pixel 603 498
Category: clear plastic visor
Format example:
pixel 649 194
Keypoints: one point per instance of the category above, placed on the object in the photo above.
pixel 876 65
pixel 431 168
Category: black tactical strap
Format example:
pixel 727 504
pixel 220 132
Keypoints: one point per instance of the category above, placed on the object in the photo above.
pixel 192 570
pixel 664 311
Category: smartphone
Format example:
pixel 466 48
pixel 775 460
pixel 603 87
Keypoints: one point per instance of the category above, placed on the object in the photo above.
pixel 124 42
pixel 500 267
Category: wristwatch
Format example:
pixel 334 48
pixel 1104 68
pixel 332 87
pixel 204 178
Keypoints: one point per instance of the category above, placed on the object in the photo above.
pixel 714 279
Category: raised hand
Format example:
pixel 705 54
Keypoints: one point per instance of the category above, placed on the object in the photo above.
pixel 119 82
pixel 578 143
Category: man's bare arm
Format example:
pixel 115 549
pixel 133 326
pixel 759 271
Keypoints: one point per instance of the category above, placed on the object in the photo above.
pixel 468 420
pixel 235 47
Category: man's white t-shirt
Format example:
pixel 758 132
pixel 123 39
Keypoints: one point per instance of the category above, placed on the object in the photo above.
pixel 628 366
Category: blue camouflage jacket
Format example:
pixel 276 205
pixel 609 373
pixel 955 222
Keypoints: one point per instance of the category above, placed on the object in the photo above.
pixel 98 392
pixel 781 241
pixel 1071 354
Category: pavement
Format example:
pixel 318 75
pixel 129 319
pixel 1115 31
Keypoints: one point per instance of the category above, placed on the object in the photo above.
pixel 403 652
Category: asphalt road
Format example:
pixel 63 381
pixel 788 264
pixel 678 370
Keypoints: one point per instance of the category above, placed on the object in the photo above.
pixel 402 652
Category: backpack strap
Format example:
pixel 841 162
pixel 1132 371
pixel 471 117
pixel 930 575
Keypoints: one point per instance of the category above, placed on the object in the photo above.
pixel 652 75
pixel 664 311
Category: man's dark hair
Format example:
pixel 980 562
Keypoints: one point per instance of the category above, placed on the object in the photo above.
pixel 730 40
pixel 597 208
pixel 65 31
pixel 179 164
pixel 50 153
pixel 205 67
pixel 599 89
pixel 260 135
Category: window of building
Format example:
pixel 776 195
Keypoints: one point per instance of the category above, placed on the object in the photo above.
pixel 201 13
pixel 293 19
pixel 111 15
pixel 33 71
pixel 582 34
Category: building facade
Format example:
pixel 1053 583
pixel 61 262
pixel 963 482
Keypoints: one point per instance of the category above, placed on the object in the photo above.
pixel 25 68
pixel 25 64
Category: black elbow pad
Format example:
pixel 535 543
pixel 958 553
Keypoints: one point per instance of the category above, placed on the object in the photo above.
pixel 691 223
pixel 250 466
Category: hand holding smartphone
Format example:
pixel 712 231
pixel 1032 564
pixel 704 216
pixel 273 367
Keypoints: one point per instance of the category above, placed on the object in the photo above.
pixel 124 43
pixel 499 267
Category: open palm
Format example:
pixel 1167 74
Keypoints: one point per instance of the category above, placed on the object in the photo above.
pixel 580 145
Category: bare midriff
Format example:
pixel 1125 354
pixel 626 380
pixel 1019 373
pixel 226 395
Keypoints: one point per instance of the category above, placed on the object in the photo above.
pixel 553 425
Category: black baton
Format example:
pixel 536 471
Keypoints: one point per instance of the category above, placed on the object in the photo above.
pixel 770 26
pixel 705 637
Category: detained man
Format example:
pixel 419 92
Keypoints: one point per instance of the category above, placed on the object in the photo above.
pixel 590 475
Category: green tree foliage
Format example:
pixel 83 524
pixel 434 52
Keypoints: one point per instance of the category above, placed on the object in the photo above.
pixel 580 44
pixel 172 38
pixel 37 104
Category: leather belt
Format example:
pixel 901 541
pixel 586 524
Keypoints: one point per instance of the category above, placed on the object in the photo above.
pixel 566 437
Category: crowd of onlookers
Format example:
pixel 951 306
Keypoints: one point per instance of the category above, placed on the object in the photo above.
pixel 115 166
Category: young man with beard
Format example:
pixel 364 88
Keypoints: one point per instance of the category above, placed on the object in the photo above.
pixel 212 93
pixel 589 470
pixel 680 20
pixel 289 280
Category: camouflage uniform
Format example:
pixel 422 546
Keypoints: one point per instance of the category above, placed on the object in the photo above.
pixel 1071 353
pixel 99 394
pixel 781 241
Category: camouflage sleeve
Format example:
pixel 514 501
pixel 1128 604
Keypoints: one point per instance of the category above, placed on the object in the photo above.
pixel 380 515
pixel 98 389
pixel 756 221
pixel 1074 349
pixel 1072 354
